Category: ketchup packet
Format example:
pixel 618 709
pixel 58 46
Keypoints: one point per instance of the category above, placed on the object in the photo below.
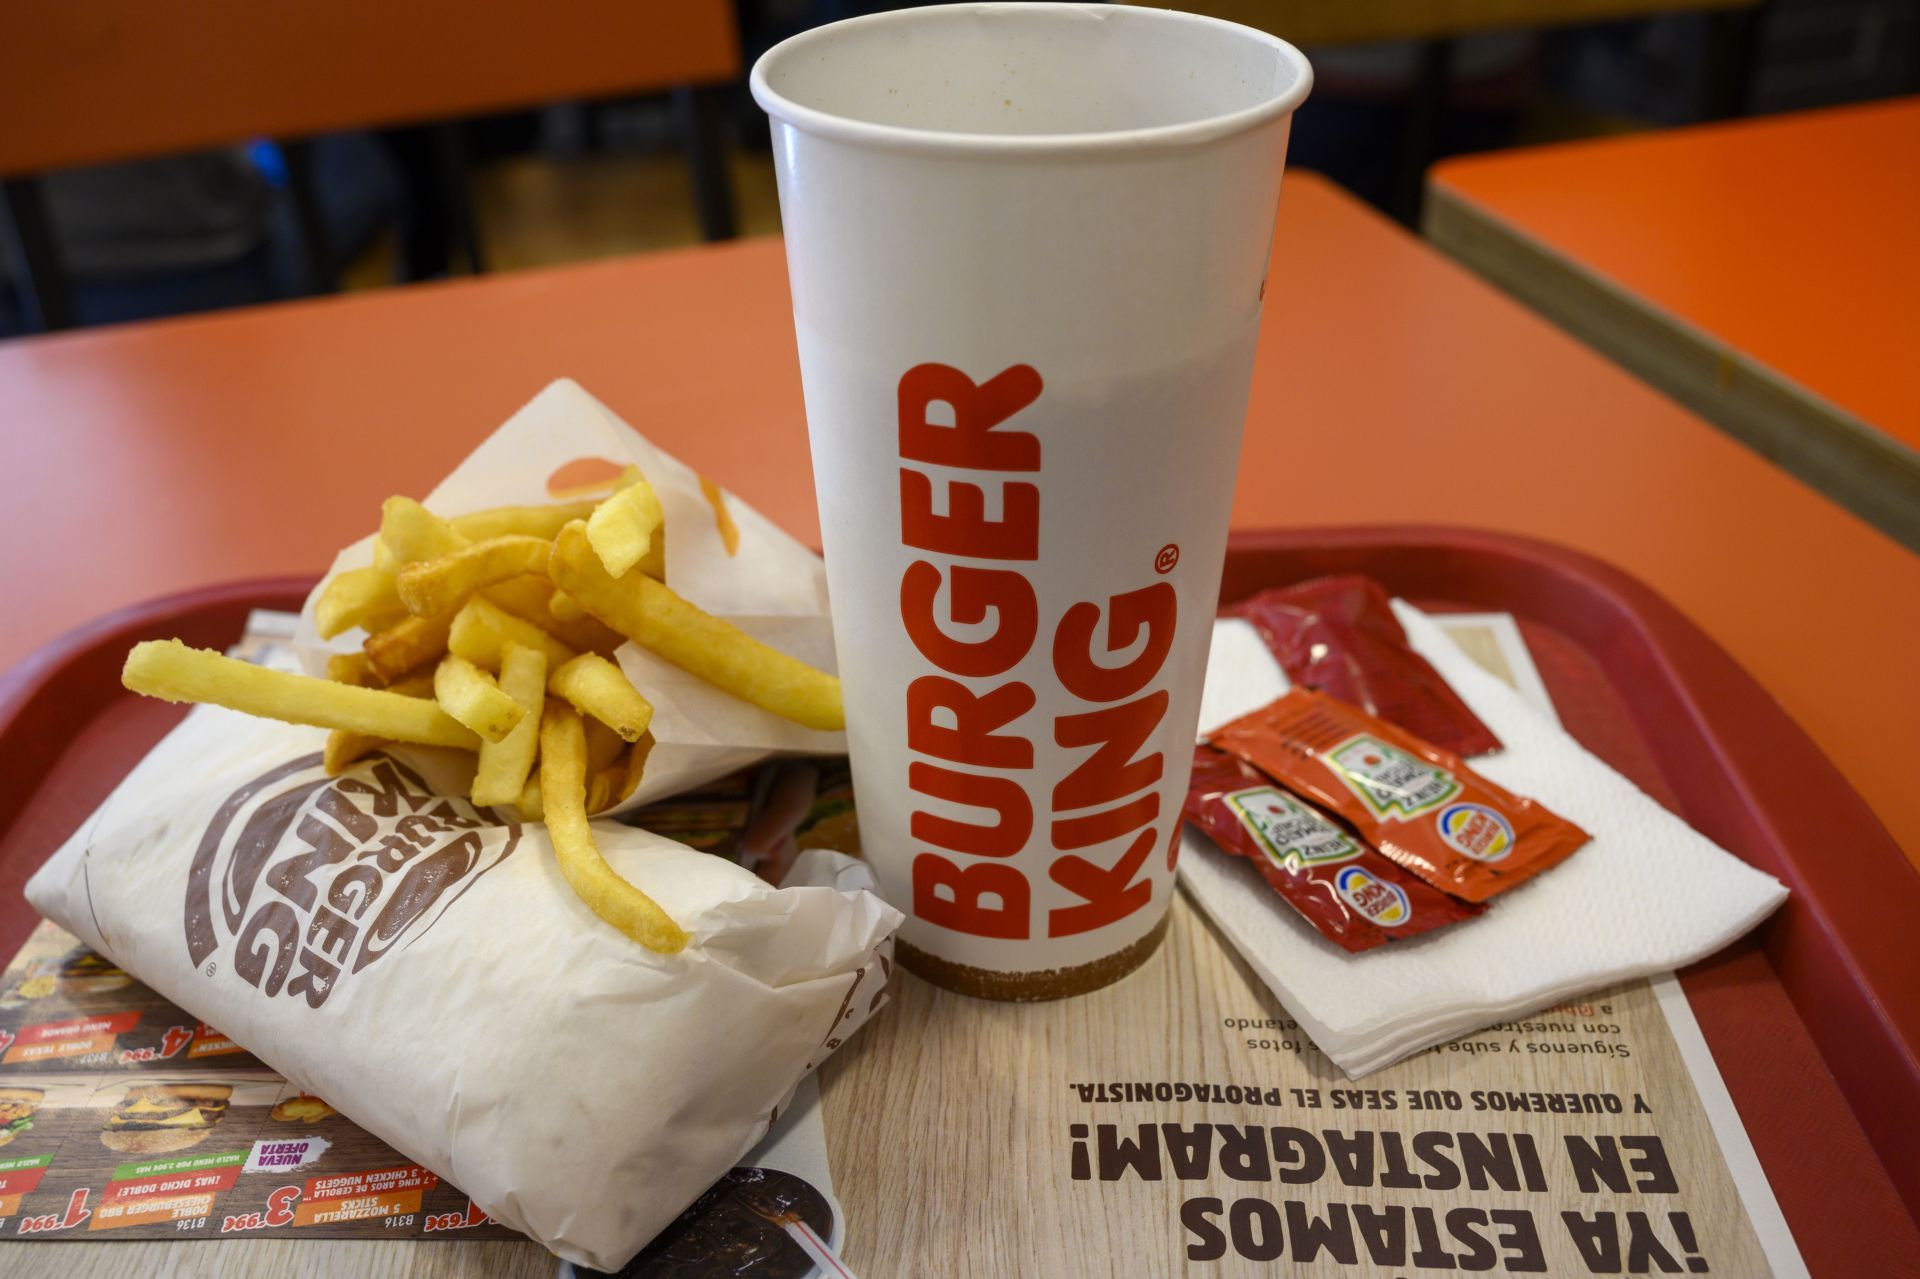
pixel 1339 635
pixel 1416 803
pixel 1354 896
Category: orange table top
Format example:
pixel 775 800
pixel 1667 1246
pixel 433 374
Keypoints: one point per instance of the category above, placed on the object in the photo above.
pixel 146 459
pixel 1790 238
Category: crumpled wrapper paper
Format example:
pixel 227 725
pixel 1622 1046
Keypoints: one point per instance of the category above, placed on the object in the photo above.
pixel 768 584
pixel 422 965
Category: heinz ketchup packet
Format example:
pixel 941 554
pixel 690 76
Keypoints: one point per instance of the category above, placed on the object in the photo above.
pixel 1354 896
pixel 1339 635
pixel 1416 803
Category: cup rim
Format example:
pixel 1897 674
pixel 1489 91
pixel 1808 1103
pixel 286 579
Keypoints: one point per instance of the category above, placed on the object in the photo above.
pixel 844 128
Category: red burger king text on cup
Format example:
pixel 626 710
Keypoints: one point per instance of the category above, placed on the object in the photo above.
pixel 966 875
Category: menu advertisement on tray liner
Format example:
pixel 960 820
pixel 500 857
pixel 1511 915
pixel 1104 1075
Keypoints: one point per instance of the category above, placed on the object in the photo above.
pixel 128 1117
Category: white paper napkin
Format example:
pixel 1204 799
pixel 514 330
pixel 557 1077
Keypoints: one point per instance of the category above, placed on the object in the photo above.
pixel 1647 895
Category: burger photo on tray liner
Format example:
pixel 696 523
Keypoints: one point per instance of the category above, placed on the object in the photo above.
pixel 302 1108
pixel 16 1110
pixel 84 973
pixel 158 1119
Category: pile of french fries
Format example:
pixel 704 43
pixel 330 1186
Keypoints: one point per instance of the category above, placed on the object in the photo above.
pixel 494 632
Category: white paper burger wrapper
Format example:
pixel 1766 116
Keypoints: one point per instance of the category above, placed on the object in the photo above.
pixel 422 965
pixel 760 579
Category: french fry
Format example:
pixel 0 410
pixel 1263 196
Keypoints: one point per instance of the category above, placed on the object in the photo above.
pixel 481 630
pixel 655 563
pixel 345 747
pixel 587 635
pixel 430 587
pixel 406 646
pixel 357 597
pixel 564 607
pixel 413 533
pixel 174 672
pixel 524 521
pixel 528 597
pixel 596 687
pixel 621 528
pixel 383 557
pixel 651 615
pixel 419 684
pixel 531 809
pixel 563 790
pixel 352 668
pixel 524 596
pixel 506 765
pixel 469 694
pixel 604 746
pixel 623 777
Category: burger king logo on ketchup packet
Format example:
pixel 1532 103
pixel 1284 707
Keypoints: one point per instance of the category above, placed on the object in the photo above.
pixel 1383 903
pixel 1476 830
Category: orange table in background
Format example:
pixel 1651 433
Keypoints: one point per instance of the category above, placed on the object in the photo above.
pixel 1391 387
pixel 1765 273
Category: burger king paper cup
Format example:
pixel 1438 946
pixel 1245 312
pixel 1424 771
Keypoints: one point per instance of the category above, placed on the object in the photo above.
pixel 1028 245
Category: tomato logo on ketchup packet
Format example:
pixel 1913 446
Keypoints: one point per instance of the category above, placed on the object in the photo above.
pixel 1292 835
pixel 1392 783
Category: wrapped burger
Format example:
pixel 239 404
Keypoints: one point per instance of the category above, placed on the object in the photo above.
pixel 420 963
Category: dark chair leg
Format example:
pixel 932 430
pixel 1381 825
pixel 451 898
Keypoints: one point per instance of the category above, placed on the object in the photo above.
pixel 316 245
pixel 455 173
pixel 703 135
pixel 437 223
pixel 1421 136
pixel 33 259
pixel 1726 79
pixel 424 250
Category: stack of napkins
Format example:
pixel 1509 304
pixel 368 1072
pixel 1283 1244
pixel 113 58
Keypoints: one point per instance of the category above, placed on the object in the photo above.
pixel 1647 895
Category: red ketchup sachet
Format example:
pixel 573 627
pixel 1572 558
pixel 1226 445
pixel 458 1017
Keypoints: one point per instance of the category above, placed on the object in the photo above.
pixel 1354 896
pixel 1339 635
pixel 1416 803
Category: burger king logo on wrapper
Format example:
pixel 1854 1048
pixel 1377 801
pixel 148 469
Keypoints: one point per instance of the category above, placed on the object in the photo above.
pixel 304 879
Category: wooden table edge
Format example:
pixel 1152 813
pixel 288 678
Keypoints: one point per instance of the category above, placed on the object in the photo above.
pixel 1822 444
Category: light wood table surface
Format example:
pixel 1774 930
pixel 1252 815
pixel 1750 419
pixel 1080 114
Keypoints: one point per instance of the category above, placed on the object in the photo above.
pixel 1390 386
pixel 1765 273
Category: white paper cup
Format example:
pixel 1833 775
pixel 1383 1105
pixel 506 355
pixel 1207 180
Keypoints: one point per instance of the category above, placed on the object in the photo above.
pixel 1028 244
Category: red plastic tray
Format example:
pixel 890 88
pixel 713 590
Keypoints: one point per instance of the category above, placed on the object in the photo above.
pixel 1814 1020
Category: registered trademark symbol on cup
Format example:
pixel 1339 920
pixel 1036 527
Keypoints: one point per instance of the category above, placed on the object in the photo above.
pixel 1169 556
